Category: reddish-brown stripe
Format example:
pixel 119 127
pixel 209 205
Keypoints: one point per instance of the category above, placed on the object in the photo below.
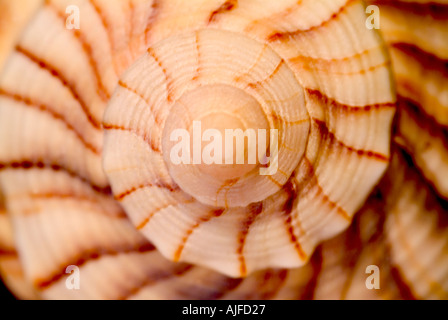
pixel 88 256
pixel 30 165
pixel 154 277
pixel 4 252
pixel 227 185
pixel 219 289
pixel 213 214
pixel 59 75
pixel 427 60
pixel 104 22
pixel 257 60
pixel 278 120
pixel 353 244
pixel 288 207
pixel 275 17
pixel 153 144
pixel 316 264
pixel 403 288
pixel 198 51
pixel 253 211
pixel 278 184
pixel 169 81
pixel 423 120
pixel 134 91
pixel 55 115
pixel 78 197
pixel 156 9
pixel 410 256
pixel 226 7
pixel 321 98
pixel 255 85
pixel 322 61
pixel 327 134
pixel 152 214
pixel 363 71
pixel 286 35
pixel 162 185
pixel 315 182
pixel 273 282
pixel 266 285
pixel 435 10
pixel 87 48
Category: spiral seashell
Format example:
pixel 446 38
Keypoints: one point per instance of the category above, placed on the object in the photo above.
pixel 86 143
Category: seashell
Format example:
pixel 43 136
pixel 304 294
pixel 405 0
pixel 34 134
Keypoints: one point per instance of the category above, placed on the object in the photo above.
pixel 86 168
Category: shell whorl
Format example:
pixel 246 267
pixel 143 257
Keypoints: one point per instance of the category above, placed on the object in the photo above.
pixel 269 76
pixel 87 113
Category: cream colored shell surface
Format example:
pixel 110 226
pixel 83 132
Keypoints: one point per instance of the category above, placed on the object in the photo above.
pixel 85 117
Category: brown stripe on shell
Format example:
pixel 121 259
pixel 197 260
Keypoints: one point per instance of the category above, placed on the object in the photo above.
pixel 433 204
pixel 277 119
pixel 256 62
pixel 255 85
pixel 169 81
pixel 226 7
pixel 87 49
pixel 427 60
pixel 276 280
pixel 127 87
pixel 5 252
pixel 160 184
pixel 156 277
pixel 353 246
pixel 413 257
pixel 320 64
pixel 291 189
pixel 40 165
pixel 425 121
pixel 281 36
pixel 435 10
pixel 333 140
pixel 314 183
pixel 212 215
pixel 143 224
pixel 156 9
pixel 402 285
pixel 88 256
pixel 154 145
pixel 75 197
pixel 30 103
pixel 59 75
pixel 253 211
pixel 227 185
pixel 104 22
pixel 198 50
pixel 268 283
pixel 316 264
pixel 321 98
pixel 213 288
pixel 131 18
pixel 279 16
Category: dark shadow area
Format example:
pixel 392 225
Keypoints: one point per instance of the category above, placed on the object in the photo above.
pixel 5 294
